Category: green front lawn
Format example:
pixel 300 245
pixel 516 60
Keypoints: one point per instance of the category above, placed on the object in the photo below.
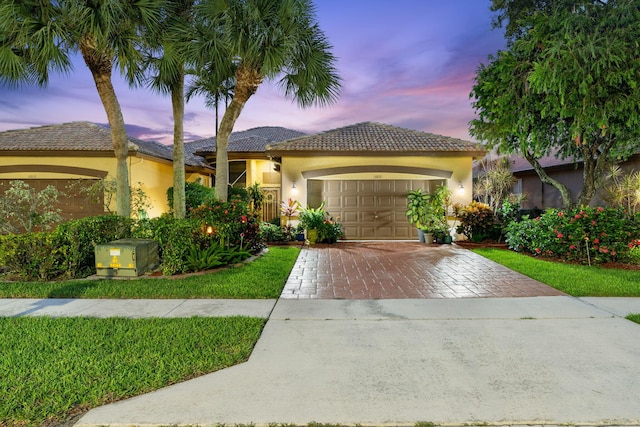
pixel 576 280
pixel 53 368
pixel 263 278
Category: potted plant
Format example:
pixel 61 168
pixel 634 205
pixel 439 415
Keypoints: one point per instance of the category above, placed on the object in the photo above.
pixel 416 211
pixel 330 232
pixel 312 219
pixel 299 231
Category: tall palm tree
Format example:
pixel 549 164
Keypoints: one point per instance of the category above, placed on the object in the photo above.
pixel 37 37
pixel 167 62
pixel 212 92
pixel 257 40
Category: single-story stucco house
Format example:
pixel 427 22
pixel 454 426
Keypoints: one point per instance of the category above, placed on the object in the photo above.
pixel 61 154
pixel 362 172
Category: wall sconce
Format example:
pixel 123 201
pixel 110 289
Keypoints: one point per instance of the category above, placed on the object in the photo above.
pixel 460 188
pixel 294 190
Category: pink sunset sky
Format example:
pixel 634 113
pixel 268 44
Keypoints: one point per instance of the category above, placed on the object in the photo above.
pixel 407 63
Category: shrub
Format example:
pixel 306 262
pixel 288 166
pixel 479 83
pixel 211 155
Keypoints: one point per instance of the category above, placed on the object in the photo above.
pixel 271 232
pixel 175 237
pixel 584 234
pixel 76 240
pixel 195 194
pixel 330 232
pixel 31 256
pixel 24 209
pixel 477 221
pixel 231 222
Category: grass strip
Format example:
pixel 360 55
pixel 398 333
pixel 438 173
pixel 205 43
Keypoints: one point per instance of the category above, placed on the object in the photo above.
pixel 634 317
pixel 262 278
pixel 54 367
pixel 573 279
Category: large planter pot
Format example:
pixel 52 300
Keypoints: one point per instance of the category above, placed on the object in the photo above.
pixel 312 236
pixel 300 237
pixel 420 236
pixel 428 237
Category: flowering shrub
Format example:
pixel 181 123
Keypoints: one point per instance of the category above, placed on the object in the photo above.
pixel 231 222
pixel 477 221
pixel 330 232
pixel 584 235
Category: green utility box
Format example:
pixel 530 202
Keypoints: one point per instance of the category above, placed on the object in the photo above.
pixel 126 257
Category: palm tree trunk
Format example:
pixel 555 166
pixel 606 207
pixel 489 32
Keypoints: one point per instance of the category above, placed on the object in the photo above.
pixel 247 82
pixel 177 102
pixel 118 139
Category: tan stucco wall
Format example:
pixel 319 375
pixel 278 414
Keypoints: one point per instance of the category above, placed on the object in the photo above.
pixel 256 170
pixel 460 166
pixel 156 176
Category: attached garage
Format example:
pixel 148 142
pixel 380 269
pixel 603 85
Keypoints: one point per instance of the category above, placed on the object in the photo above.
pixel 368 209
pixel 363 173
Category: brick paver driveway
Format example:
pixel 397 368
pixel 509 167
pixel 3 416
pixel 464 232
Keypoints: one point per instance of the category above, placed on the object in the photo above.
pixel 397 270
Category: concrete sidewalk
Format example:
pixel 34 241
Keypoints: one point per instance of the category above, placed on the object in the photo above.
pixel 541 360
pixel 136 308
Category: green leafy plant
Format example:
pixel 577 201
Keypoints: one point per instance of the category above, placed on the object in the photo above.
pixel 204 259
pixel 271 232
pixel 330 231
pixel 24 209
pixel 195 193
pixel 313 218
pixel 31 256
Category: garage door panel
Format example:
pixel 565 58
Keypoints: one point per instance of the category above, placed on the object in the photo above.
pixel 367 202
pixel 350 201
pixel 385 202
pixel 368 209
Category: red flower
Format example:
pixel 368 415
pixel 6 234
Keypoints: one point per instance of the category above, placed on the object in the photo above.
pixel 560 235
pixel 596 241
pixel 577 216
pixel 537 250
pixel 593 223
pixel 572 247
pixel 244 219
pixel 560 214
pixel 600 209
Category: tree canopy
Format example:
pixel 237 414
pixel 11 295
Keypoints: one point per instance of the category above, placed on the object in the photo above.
pixel 568 85
pixel 250 41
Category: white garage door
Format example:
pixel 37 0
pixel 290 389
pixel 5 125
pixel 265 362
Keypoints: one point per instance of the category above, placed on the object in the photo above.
pixel 368 209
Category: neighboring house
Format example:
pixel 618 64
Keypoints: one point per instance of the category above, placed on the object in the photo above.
pixel 568 172
pixel 364 171
pixel 63 154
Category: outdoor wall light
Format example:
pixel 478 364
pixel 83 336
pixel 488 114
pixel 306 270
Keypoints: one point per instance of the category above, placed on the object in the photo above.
pixel 460 188
pixel 293 185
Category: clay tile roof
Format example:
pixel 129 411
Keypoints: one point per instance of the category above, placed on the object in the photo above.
pixel 369 136
pixel 80 136
pixel 251 140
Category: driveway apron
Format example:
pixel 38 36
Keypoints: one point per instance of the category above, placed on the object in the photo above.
pixel 403 270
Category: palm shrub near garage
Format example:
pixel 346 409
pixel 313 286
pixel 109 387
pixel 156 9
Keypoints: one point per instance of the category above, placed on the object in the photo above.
pixel 586 235
pixel 313 219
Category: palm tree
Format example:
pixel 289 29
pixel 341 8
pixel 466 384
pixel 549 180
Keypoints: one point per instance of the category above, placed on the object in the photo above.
pixel 212 92
pixel 167 64
pixel 257 40
pixel 37 37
